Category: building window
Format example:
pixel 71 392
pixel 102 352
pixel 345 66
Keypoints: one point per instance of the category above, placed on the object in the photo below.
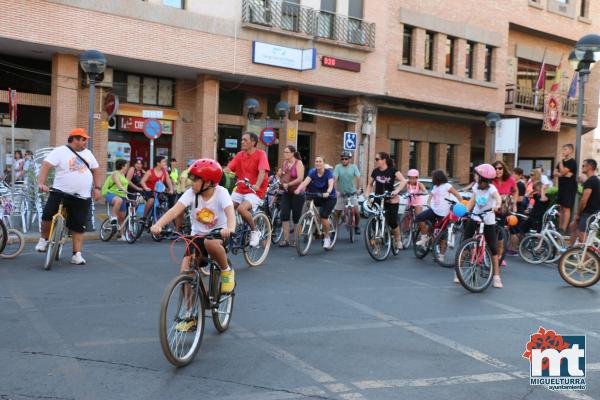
pixel 231 102
pixel 174 3
pixel 469 59
pixel 355 9
pixel 290 15
pixel 308 102
pixel 583 12
pixel 356 34
pixel 327 19
pixel 431 163
pixel 429 50
pixel 151 90
pixel 487 72
pixel 450 55
pixel 407 45
pixel 450 160
pixel 412 155
pixel 529 71
pixel 395 152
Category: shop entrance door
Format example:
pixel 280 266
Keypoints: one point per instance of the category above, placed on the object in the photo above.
pixel 140 148
pixel 230 142
pixel 305 149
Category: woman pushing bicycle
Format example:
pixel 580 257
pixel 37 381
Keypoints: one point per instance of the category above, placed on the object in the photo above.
pixel 211 208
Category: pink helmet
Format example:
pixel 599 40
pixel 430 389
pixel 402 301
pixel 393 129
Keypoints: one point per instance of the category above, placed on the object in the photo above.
pixel 413 172
pixel 486 171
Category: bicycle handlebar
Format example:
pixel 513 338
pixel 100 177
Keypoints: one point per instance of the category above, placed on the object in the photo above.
pixel 247 183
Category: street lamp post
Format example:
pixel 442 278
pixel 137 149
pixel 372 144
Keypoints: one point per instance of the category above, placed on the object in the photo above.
pixel 583 59
pixel 490 121
pixel 93 63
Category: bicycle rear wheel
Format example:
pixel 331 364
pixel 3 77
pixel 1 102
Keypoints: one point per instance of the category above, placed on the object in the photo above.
pixel 3 235
pixel 349 222
pixel 304 234
pixel 378 244
pixel 473 270
pixel 579 270
pixel 221 314
pixel 534 249
pixel 505 237
pixel 107 230
pixel 333 232
pixel 255 256
pixel 181 320
pixel 15 244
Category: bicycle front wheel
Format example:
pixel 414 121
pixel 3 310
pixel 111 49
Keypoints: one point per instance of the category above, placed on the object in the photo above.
pixel 406 230
pixel 3 235
pixel 54 242
pixel 181 320
pixel 349 222
pixel 15 243
pixel 534 249
pixel 474 269
pixel 442 255
pixel 304 234
pixel 579 270
pixel 333 232
pixel 378 243
pixel 133 229
pixel 255 256
pixel 276 223
pixel 107 230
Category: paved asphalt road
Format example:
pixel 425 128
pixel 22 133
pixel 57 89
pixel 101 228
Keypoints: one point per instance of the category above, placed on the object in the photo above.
pixel 332 325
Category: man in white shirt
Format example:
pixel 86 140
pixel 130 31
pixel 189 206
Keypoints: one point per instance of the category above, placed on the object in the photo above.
pixel 76 171
pixel 545 180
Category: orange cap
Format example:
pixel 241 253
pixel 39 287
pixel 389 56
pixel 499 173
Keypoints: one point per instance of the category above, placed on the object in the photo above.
pixel 79 132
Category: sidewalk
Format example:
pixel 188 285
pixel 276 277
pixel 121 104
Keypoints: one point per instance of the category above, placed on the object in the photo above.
pixel 33 235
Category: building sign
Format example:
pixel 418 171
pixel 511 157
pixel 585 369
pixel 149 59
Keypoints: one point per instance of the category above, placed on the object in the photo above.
pixel 507 136
pixel 111 105
pixel 268 136
pixel 338 63
pixel 136 124
pixel 284 57
pixel 552 111
pixel 152 114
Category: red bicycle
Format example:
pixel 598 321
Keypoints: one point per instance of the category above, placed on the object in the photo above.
pixel 474 260
pixel 445 231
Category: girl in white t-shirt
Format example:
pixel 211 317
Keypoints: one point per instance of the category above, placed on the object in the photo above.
pixel 438 206
pixel 485 198
pixel 211 208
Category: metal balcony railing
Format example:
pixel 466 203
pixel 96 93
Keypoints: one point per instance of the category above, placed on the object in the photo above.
pixel 518 97
pixel 301 19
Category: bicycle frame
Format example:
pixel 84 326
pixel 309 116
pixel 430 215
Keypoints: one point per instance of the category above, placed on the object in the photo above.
pixel 314 213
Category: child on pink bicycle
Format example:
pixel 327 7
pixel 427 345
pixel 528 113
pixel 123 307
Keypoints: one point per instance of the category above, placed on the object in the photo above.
pixel 485 198
pixel 415 188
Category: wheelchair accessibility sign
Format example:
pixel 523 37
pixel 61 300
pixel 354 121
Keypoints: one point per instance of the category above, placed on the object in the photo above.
pixel 350 140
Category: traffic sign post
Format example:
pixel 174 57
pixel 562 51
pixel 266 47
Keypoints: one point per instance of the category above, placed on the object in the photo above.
pixel 152 130
pixel 350 141
pixel 268 136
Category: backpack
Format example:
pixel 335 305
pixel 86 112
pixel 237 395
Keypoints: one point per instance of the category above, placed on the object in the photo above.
pixel 108 183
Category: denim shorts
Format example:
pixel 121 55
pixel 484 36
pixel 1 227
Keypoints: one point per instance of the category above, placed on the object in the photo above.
pixel 111 196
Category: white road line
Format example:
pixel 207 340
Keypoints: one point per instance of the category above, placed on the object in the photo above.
pixel 439 381
pixel 111 342
pixel 352 396
pixel 322 329
pixel 475 354
pixel 593 367
pixel 296 363
pixel 337 387
pixel 554 323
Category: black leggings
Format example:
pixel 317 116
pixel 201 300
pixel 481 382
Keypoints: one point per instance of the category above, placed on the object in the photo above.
pixel 291 203
pixel 391 214
pixel 489 231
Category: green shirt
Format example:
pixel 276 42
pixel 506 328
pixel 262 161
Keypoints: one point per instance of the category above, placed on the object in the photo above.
pixel 345 177
pixel 114 189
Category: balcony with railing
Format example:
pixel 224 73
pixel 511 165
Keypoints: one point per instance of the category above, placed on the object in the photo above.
pixel 292 18
pixel 527 99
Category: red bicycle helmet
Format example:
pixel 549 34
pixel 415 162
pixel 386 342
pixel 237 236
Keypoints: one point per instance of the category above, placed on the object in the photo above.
pixel 208 170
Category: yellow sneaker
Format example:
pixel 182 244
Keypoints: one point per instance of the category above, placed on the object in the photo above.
pixel 227 281
pixel 186 325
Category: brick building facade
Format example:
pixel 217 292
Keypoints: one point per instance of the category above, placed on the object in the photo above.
pixel 421 78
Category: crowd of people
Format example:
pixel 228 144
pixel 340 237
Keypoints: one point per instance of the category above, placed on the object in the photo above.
pixel 495 188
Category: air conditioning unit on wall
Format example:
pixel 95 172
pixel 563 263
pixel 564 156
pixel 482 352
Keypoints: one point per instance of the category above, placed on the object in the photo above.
pixel 104 80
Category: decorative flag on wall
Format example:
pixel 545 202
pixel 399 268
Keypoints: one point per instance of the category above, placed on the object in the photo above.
pixel 557 76
pixel 573 88
pixel 552 112
pixel 540 83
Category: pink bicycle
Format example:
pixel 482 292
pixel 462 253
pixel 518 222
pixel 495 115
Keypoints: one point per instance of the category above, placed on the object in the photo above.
pixel 474 261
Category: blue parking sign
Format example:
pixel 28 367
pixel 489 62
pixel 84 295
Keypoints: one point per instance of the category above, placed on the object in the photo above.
pixel 350 140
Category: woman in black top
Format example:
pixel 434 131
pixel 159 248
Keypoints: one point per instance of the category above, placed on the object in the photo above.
pixel 383 178
pixel 566 171
pixel 134 176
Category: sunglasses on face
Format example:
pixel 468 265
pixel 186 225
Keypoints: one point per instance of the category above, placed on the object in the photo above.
pixel 346 159
pixel 499 168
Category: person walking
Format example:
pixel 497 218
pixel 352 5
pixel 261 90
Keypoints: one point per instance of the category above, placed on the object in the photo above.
pixel 76 171
pixel 292 174
pixel 566 172
pixel 590 200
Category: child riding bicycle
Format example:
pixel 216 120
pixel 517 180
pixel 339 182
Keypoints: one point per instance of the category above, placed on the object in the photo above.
pixel 485 198
pixel 211 208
